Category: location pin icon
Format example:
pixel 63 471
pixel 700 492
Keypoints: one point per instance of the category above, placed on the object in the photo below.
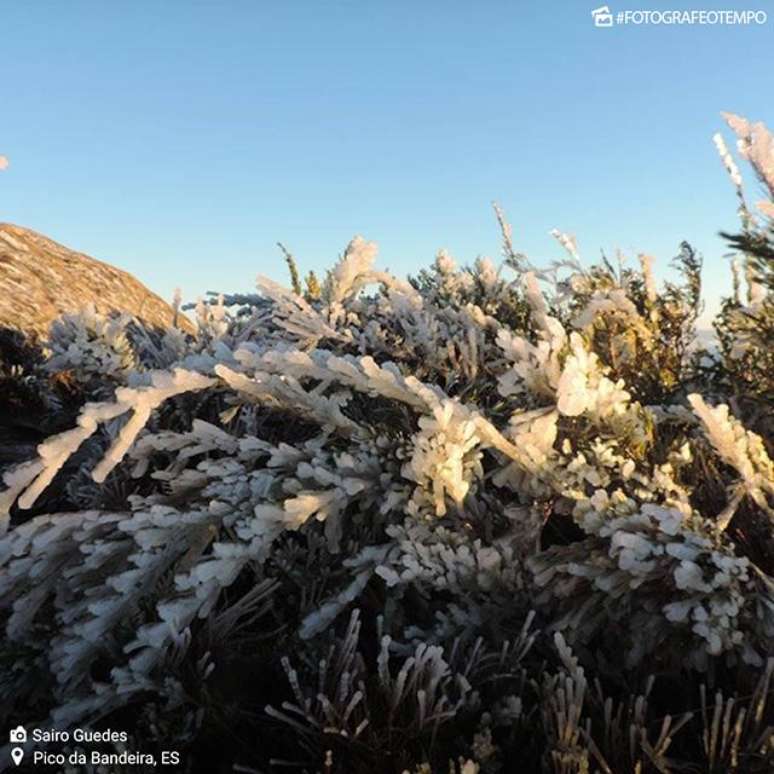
pixel 17 754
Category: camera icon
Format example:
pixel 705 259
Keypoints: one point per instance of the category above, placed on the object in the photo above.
pixel 18 735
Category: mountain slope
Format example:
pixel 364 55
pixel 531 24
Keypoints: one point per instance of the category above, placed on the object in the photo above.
pixel 41 279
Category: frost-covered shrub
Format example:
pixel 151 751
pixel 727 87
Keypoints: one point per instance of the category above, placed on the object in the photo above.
pixel 514 476
pixel 91 345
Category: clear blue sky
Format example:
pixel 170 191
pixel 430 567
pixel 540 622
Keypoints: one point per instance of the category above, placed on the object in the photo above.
pixel 181 140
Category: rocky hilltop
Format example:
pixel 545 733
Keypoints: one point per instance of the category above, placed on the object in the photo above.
pixel 41 280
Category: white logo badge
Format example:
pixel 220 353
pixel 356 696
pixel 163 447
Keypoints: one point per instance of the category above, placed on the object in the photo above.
pixel 602 16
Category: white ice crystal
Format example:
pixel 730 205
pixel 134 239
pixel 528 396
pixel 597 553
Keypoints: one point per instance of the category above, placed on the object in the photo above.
pixel 756 144
pixel 727 159
pixel 740 448
pixel 445 460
